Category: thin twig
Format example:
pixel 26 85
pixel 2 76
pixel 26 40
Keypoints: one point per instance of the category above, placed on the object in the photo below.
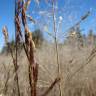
pixel 51 87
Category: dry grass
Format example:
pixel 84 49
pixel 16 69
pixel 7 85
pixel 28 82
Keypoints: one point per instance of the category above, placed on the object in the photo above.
pixel 29 47
pixel 65 71
pixel 81 84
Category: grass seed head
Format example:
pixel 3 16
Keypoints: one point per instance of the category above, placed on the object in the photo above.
pixel 5 33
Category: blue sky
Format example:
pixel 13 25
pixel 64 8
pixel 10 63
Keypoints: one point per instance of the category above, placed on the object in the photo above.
pixel 69 10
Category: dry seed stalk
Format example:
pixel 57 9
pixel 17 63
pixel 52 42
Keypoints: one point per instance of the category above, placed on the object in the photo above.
pixel 17 40
pixel 5 32
pixel 29 49
pixel 33 66
pixel 23 16
pixel 56 46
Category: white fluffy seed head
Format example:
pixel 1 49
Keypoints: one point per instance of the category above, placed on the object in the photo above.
pixel 60 18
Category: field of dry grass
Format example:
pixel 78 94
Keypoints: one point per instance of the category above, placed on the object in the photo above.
pixel 77 71
pixel 53 69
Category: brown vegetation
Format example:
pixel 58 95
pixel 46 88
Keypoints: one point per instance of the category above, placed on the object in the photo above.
pixel 69 70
